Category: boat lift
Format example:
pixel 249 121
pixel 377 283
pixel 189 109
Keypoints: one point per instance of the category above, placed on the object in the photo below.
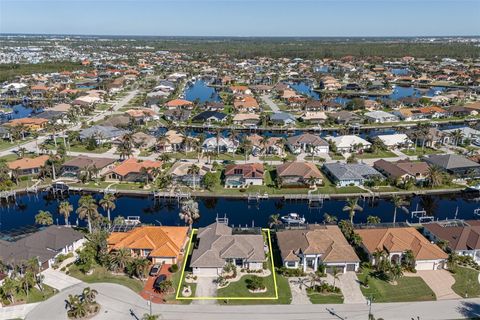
pixel 421 215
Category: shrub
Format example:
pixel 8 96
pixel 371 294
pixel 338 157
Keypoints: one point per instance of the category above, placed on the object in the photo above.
pixel 290 272
pixel 173 268
pixel 255 283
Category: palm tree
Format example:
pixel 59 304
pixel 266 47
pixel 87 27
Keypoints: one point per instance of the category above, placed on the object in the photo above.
pixel 435 176
pixel 65 208
pixel 246 146
pixel 9 289
pixel 351 207
pixel 141 268
pixel 218 136
pixel 88 295
pixel 76 307
pixel 87 209
pixel 335 273
pixel 457 136
pixel 274 220
pixel 373 220
pixel 452 260
pixel 119 259
pixel 312 181
pixel 194 170
pixel 44 218
pixel 398 202
pixel 189 213
pixel 396 272
pixel 108 203
pixel 329 219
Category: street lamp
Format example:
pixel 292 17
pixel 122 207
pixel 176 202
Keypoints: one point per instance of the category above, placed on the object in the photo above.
pixel 369 303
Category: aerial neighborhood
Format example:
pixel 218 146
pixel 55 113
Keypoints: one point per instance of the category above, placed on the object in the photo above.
pixel 222 178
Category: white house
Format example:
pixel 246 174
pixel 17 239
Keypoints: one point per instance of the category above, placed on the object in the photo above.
pixel 223 145
pixel 307 143
pixel 350 143
pixel 395 140
pixel 380 117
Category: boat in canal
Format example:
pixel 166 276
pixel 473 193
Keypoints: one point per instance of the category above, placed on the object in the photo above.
pixel 293 218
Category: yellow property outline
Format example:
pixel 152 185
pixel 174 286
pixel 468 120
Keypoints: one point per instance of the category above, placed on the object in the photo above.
pixel 178 297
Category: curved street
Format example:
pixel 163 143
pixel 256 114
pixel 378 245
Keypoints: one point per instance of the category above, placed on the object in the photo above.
pixel 116 302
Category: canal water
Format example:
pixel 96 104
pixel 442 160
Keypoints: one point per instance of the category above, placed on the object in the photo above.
pixel 238 211
pixel 201 91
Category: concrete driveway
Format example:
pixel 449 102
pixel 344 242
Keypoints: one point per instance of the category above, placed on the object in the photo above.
pixel 440 281
pixel 350 286
pixel 58 280
pixel 298 288
pixel 206 287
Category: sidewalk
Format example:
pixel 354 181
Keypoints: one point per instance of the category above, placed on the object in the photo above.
pixel 17 312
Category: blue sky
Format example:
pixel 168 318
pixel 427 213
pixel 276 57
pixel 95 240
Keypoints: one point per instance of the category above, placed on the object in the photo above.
pixel 242 18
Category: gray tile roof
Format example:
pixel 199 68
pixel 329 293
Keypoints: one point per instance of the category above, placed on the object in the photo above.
pixel 217 243
pixel 44 244
pixel 451 161
pixel 351 171
pixel 102 132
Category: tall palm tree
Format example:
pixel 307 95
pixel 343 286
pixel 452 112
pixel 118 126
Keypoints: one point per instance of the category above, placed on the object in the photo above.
pixel 189 212
pixel 246 146
pixel 87 209
pixel 194 170
pixel 398 202
pixel 141 268
pixel 218 136
pixel 65 208
pixel 108 203
pixel 9 289
pixel 352 206
pixel 435 176
pixel 457 136
pixel 335 273
pixel 44 218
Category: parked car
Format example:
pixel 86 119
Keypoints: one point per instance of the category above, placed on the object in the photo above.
pixel 155 269
pixel 159 280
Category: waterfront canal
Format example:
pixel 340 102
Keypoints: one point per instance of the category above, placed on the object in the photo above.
pixel 239 211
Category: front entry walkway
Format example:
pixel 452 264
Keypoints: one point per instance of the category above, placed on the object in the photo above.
pixel 206 287
pixel 58 280
pixel 298 288
pixel 440 281
pixel 350 287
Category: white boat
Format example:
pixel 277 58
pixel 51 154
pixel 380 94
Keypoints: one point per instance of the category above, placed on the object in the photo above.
pixel 293 218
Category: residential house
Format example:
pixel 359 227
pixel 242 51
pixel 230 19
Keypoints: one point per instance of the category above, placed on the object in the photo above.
pixel 218 245
pixel 308 143
pixel 45 245
pixel 28 166
pixel 455 164
pixel 179 104
pixel 142 115
pixel 246 119
pixel 133 170
pixel 348 174
pixel 461 237
pixel 143 140
pixel 350 143
pixel 243 175
pixel 245 104
pixel 344 117
pixel 282 119
pixel 160 244
pixel 213 144
pixel 177 115
pixel 31 124
pixel 266 146
pixel 314 117
pixel 210 116
pixel 394 141
pixel 315 246
pixel 380 117
pixel 403 170
pixel 180 173
pixel 299 174
pixel 396 241
pixel 466 133
pixel 102 134
pixel 75 167
pixel 172 141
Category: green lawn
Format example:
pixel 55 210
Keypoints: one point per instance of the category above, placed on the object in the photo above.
pixel 336 156
pixel 406 289
pixel 101 274
pixel 466 282
pixel 319 298
pixel 378 154
pixel 417 151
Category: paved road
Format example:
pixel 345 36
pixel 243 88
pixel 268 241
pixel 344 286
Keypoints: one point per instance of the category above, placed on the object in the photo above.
pixel 116 301
pixel 272 105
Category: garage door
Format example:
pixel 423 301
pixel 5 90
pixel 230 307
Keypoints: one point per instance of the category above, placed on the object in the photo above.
pixel 329 269
pixel 425 265
pixel 351 267
pixel 207 272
